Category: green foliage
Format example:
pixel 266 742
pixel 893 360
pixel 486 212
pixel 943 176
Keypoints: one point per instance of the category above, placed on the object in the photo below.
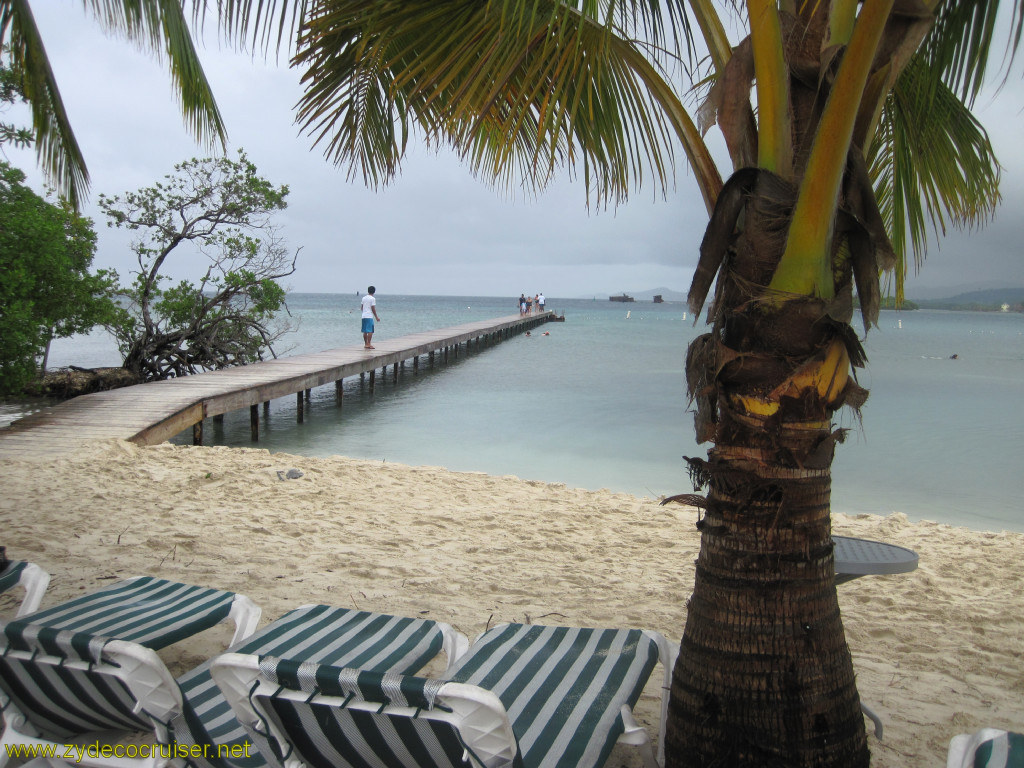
pixel 227 317
pixel 10 93
pixel 46 291
pixel 931 161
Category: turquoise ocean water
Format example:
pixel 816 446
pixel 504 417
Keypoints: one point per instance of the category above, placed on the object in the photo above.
pixel 601 403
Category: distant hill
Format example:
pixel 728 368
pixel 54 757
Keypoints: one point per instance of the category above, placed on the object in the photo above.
pixel 991 299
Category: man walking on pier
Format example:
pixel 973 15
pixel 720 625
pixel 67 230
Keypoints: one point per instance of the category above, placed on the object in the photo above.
pixel 369 305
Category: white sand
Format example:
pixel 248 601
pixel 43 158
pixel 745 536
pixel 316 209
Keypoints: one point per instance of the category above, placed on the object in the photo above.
pixel 938 652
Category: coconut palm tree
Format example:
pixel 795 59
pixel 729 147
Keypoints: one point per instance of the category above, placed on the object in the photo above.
pixel 828 187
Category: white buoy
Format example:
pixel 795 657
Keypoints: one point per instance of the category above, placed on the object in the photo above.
pixel 627 314
pixel 684 315
pixel 899 323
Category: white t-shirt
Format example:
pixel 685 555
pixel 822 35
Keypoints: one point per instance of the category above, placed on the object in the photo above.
pixel 368 304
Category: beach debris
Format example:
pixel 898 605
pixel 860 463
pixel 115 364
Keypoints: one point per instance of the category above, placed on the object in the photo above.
pixel 291 474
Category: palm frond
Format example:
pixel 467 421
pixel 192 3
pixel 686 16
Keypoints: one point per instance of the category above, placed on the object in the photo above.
pixel 931 163
pixel 519 88
pixel 56 146
pixel 161 27
pixel 261 25
pixel 961 46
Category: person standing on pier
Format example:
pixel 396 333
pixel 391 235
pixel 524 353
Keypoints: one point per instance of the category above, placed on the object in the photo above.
pixel 369 305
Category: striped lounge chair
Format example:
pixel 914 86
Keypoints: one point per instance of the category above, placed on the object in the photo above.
pixel 523 695
pixel 987 748
pixel 28 576
pixel 59 684
pixel 151 612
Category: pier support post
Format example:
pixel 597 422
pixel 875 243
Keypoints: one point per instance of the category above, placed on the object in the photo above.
pixel 266 408
pixel 394 374
pixel 298 406
pixel 254 423
pixel 416 363
pixel 197 433
pixel 309 392
pixel 373 374
pixel 338 390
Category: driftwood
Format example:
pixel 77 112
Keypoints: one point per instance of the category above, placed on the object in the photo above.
pixel 65 383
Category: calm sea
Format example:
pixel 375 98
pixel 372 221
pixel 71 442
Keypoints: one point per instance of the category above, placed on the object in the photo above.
pixel 600 403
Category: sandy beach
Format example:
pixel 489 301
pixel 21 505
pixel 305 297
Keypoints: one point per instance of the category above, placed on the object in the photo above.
pixel 938 652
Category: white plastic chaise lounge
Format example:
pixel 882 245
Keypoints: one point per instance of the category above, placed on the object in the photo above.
pixel 59 684
pixel 28 576
pixel 987 748
pixel 523 695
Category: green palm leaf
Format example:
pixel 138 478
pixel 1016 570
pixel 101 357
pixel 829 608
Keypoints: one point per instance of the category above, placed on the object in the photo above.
pixel 259 24
pixel 960 47
pixel 56 147
pixel 931 162
pixel 518 88
pixel 159 25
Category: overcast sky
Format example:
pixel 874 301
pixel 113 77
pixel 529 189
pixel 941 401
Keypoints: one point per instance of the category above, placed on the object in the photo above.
pixel 435 229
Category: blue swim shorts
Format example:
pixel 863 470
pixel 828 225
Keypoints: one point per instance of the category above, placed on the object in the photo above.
pixel 367 325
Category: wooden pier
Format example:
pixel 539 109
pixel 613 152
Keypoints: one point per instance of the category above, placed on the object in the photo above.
pixel 156 411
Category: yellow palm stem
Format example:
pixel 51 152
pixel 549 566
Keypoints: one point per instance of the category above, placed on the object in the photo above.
pixel 805 267
pixel 775 139
pixel 711 28
pixel 842 17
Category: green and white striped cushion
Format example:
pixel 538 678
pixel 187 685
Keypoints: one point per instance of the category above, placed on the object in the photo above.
pixel 325 732
pixel 987 748
pixel 151 612
pixel 562 687
pixel 39 673
pixel 63 701
pixel 11 574
pixel 329 737
pixel 316 634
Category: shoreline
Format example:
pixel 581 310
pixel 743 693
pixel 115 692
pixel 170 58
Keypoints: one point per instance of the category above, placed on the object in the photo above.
pixel 937 651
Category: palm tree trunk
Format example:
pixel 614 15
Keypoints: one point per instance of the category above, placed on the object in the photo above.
pixel 764 676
